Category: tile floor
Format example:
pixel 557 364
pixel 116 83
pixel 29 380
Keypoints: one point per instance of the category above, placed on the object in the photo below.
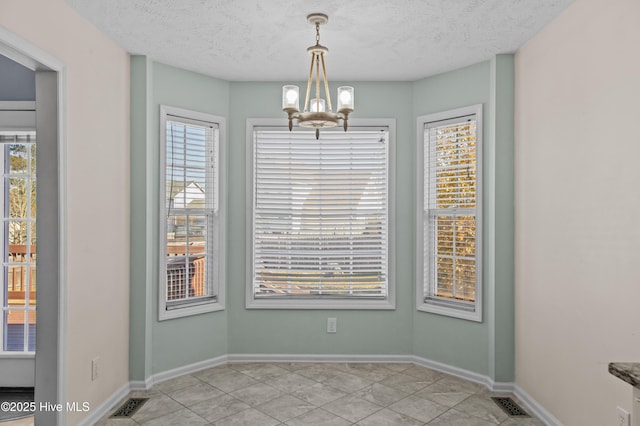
pixel 300 394
pixel 27 421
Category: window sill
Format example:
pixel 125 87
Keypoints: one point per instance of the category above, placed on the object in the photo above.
pixel 189 310
pixel 475 316
pixel 385 304
pixel 17 355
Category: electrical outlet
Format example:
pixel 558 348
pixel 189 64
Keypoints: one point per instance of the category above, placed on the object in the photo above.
pixel 94 368
pixel 622 417
pixel 332 325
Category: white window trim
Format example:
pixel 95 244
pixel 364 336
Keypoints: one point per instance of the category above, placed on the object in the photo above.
pixel 421 303
pixel 388 303
pixel 29 220
pixel 198 306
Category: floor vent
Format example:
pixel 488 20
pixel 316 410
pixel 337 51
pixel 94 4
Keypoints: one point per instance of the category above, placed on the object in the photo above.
pixel 129 407
pixel 510 407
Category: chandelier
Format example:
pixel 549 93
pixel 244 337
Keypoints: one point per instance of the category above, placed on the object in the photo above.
pixel 317 113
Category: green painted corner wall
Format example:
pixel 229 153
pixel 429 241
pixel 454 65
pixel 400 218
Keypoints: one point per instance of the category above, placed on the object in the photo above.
pixel 488 347
pixel 140 287
pixel 173 343
pixel 187 340
pixel 439 338
pixel 473 346
pixel 502 314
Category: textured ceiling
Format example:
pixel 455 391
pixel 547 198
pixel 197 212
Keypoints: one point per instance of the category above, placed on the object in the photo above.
pixel 368 40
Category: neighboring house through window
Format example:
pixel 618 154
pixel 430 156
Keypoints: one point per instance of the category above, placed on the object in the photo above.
pixel 320 221
pixel 191 218
pixel 449 198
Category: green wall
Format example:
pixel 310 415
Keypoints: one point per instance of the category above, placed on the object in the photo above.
pixel 141 232
pixel 267 331
pixel 488 347
pixel 158 346
pixel 501 312
pixel 485 348
pixel 439 338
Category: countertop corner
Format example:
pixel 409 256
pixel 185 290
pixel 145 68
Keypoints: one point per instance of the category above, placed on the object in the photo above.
pixel 627 371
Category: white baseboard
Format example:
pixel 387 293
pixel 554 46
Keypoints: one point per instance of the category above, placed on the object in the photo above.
pixel 107 405
pixel 535 408
pixel 99 412
pixel 186 369
pixel 140 385
pixel 455 371
pixel 503 387
pixel 319 358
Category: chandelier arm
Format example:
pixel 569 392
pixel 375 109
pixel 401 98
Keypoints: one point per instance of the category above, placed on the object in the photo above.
pixel 326 83
pixel 306 98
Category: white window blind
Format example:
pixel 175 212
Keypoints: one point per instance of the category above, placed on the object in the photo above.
pixel 191 210
pixel 320 214
pixel 450 213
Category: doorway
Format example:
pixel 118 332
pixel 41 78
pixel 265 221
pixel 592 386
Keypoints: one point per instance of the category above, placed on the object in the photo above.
pixel 38 271
pixel 17 225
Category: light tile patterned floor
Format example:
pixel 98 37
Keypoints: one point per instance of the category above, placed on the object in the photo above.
pixel 305 394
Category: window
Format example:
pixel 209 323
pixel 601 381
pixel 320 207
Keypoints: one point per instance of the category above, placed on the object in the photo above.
pixel 449 195
pixel 191 218
pixel 18 251
pixel 320 224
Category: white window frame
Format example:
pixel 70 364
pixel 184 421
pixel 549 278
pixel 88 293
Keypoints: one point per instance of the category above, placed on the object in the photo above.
pixel 29 220
pixel 387 303
pixel 424 300
pixel 217 279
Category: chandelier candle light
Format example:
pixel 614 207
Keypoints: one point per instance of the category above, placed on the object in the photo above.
pixel 317 112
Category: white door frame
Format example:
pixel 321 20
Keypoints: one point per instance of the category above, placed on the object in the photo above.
pixel 51 324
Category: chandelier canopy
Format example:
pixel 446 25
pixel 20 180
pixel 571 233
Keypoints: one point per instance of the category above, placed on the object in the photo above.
pixel 317 113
